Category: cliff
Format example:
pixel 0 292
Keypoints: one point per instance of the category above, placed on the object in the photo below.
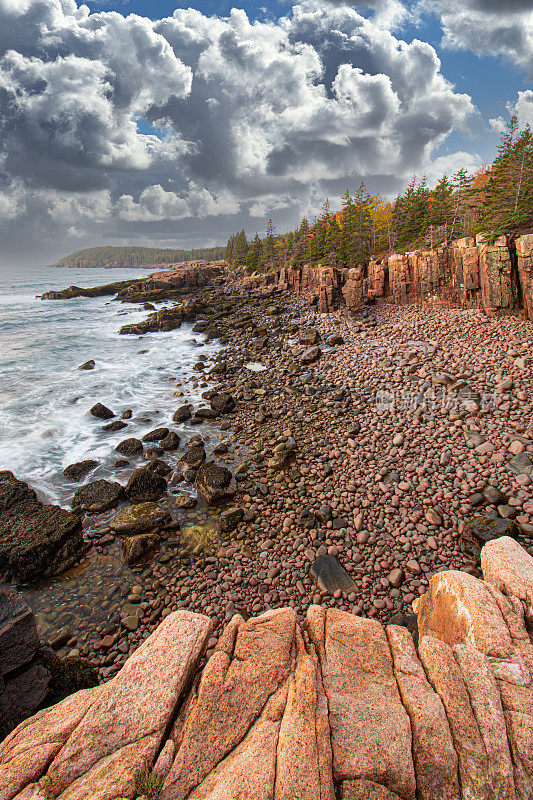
pixel 335 707
pixel 495 277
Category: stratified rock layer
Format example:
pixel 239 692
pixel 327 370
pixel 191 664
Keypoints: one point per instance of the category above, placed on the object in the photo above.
pixel 337 708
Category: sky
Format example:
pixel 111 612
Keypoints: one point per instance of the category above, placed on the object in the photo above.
pixel 176 124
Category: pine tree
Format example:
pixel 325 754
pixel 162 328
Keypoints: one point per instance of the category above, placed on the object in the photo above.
pixel 255 255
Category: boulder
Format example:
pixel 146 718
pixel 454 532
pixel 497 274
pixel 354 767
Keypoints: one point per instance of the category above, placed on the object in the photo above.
pixel 88 365
pixel 311 355
pixel 13 490
pixel 160 468
pixel 214 482
pixel 156 435
pixel 140 518
pixel 222 403
pixel 36 540
pixel 130 447
pixel 434 755
pixel 19 640
pixel 98 496
pixel 370 729
pixel 134 548
pixel 328 574
pixel 183 413
pixel 94 743
pixel 170 442
pixel 230 519
pixel 116 425
pixel 193 458
pixel 145 485
pixel 77 471
pixel 480 530
pixel 250 662
pixel 101 411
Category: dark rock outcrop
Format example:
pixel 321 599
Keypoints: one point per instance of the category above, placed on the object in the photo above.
pixel 98 496
pixel 36 540
pixel 144 486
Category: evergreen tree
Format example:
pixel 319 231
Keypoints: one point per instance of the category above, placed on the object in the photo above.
pixel 255 255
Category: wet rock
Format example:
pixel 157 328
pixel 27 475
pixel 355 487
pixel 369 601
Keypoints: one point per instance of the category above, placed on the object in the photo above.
pixel 116 425
pixel 330 575
pixel 156 435
pixel 183 413
pixel 18 633
pixel 222 403
pixel 136 547
pixel 145 485
pixel 88 365
pixel 130 447
pixel 184 500
pixel 480 530
pixel 59 639
pixel 13 491
pixel 213 482
pixel 205 413
pixel 36 540
pixel 67 675
pixel 139 518
pixel 170 442
pixel 193 458
pixel 77 471
pixel 101 411
pixel 159 467
pixel 98 496
pixel 230 519
pixel 127 414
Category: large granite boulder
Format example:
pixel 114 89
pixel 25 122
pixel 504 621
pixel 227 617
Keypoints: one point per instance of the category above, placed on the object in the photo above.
pixel 339 708
pixel 36 540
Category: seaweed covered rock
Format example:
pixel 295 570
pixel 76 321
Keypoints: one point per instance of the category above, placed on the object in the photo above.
pixel 36 540
pixel 145 485
pixel 98 496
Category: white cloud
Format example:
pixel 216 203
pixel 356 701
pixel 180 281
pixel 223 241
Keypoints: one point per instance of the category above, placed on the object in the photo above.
pixel 488 27
pixel 162 124
pixel 155 203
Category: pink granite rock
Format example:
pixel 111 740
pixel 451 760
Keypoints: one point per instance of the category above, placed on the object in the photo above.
pixel 246 668
pixel 370 729
pixel 434 755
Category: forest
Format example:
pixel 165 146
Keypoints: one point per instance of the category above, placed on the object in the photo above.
pixel 110 256
pixel 497 199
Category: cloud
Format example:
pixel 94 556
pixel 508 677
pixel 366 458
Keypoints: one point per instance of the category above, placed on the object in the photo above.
pixel 163 124
pixel 488 27
pixel 155 203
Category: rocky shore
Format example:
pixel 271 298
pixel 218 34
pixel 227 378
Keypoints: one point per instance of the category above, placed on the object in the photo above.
pixel 343 460
pixel 331 706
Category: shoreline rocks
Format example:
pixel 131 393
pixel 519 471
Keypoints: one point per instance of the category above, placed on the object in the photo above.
pixel 36 540
pixel 332 706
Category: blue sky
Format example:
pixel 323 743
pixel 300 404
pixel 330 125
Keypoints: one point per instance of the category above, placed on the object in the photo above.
pixel 190 121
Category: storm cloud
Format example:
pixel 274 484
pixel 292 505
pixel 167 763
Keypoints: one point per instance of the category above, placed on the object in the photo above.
pixel 181 130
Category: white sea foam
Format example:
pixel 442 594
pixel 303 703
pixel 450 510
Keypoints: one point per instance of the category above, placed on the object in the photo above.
pixel 45 397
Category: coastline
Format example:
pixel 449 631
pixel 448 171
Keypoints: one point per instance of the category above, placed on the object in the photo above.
pixel 381 474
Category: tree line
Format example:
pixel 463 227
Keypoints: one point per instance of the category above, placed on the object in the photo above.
pixel 497 199
pixel 111 256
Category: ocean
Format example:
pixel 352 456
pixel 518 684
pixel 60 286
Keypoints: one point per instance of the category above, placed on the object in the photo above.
pixel 44 396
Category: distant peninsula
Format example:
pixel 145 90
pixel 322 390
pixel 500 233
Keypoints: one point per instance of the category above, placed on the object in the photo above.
pixel 110 256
